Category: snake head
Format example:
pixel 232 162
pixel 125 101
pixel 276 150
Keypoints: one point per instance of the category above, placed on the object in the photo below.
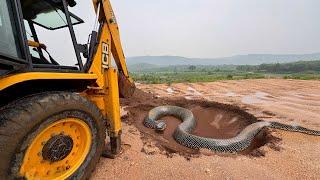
pixel 161 126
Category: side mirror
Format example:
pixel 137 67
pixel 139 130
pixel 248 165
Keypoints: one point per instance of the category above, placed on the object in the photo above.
pixel 72 3
pixel 84 49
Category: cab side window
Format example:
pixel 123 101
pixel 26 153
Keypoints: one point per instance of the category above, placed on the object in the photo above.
pixel 33 51
pixel 9 43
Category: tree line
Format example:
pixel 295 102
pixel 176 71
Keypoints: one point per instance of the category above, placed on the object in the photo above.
pixel 295 67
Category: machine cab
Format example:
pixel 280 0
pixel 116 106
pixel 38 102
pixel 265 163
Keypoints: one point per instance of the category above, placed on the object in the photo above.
pixel 21 48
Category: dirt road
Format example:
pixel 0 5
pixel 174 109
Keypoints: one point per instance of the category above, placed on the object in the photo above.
pixel 295 156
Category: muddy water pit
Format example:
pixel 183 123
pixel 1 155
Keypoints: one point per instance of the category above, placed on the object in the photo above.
pixel 214 120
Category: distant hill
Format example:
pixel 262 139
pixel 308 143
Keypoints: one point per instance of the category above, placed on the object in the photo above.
pixel 250 59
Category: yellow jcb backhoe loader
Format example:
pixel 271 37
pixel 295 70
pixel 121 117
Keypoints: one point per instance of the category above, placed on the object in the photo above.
pixel 54 118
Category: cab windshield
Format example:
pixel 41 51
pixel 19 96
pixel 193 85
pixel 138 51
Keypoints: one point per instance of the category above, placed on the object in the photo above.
pixel 48 14
pixel 41 17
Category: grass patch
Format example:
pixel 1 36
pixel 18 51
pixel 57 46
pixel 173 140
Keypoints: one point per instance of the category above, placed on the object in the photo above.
pixel 303 70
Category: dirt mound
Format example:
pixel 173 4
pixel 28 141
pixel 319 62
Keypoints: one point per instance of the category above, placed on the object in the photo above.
pixel 214 120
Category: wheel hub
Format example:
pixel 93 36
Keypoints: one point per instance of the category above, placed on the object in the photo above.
pixel 57 151
pixel 57 148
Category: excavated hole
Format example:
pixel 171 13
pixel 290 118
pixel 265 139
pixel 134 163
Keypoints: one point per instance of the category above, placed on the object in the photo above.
pixel 214 120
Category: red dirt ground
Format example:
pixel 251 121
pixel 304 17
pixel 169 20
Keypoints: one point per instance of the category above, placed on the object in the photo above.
pixel 275 154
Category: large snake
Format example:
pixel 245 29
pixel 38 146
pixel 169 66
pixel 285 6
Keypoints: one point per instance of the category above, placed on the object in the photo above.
pixel 184 137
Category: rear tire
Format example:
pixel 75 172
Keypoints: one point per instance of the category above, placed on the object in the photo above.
pixel 23 121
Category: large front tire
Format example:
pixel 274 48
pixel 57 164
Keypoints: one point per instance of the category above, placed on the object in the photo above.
pixel 50 136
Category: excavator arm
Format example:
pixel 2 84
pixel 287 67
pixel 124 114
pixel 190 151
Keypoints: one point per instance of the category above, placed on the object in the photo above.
pixel 104 47
pixel 126 84
pixel 108 19
pixel 116 49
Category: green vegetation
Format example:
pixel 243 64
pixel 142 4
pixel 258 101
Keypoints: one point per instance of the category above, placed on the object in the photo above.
pixel 304 70
pixel 192 76
pixel 295 67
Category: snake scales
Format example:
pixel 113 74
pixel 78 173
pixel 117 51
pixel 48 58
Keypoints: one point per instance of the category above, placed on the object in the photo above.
pixel 184 137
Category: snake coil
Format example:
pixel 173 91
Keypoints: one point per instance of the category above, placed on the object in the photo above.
pixel 184 137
